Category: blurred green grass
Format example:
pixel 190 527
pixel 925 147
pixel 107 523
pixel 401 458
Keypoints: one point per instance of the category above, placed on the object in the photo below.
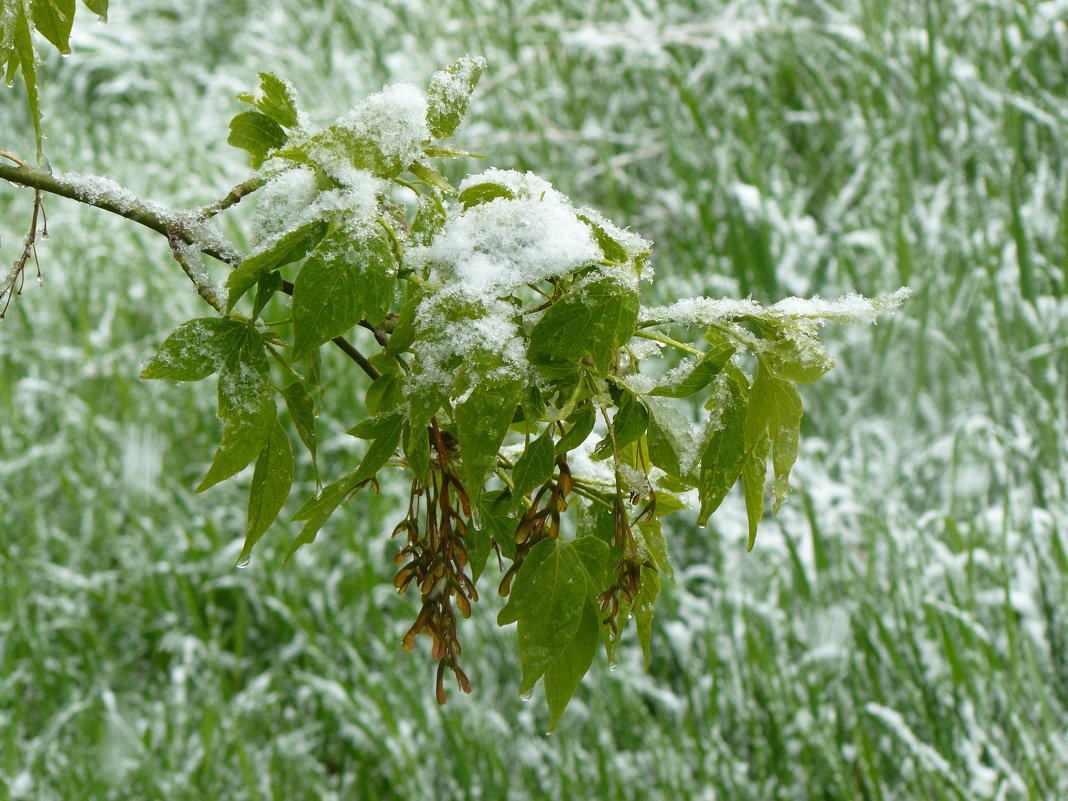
pixel 899 632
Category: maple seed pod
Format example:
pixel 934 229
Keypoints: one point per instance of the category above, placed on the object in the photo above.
pixel 462 680
pixel 403 578
pixel 464 604
pixel 440 685
pixel 566 482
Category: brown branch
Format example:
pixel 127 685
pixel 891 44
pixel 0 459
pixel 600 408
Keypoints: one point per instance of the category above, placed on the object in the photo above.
pixel 177 227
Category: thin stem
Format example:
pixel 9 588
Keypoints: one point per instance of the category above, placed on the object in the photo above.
pixel 29 248
pixel 668 341
pixel 14 158
pixel 232 198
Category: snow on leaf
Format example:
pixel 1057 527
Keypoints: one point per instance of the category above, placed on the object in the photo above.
pixel 246 408
pixel 449 95
pixel 195 349
pixel 382 134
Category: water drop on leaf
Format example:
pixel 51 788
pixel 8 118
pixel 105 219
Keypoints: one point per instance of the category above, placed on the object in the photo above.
pixel 244 560
pixel 526 696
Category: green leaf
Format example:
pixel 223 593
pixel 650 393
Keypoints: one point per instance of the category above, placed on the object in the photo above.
pixel 438 152
pixel 98 7
pixel 753 474
pixel 533 468
pixel 276 100
pixel 596 559
pixel 449 95
pixel 301 407
pixel 349 278
pixel 316 511
pixel 595 520
pixel 547 600
pixel 431 177
pixel 612 250
pixel 643 609
pixel 593 319
pixel 23 55
pixel 630 422
pixel 482 420
pixel 700 376
pixel 429 219
pixel 257 133
pixel 246 408
pixel 373 427
pixel 801 365
pixel 653 538
pixel 195 349
pixel 290 247
pixel 477 194
pixel 724 456
pixel 565 674
pixel 269 283
pixel 581 420
pixel 775 408
pixel 385 394
pixel 795 351
pixel 385 431
pixel 496 523
pixel 404 331
pixel 271 482
pixel 415 441
pixel 313 375
pixel 671 441
pixel 53 20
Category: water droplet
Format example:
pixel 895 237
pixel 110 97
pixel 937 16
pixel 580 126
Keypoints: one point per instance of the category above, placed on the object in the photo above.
pixel 613 666
pixel 513 513
pixel 244 560
pixel 476 518
pixel 526 696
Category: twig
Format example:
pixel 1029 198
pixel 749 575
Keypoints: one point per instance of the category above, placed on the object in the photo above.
pixel 233 197
pixel 18 269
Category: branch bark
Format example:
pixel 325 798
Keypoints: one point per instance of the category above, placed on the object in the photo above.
pixel 175 226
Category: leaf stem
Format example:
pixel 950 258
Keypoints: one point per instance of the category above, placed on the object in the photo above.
pixel 653 335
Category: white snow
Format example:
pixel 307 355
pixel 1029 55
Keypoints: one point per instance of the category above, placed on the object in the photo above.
pixel 394 119
pixel 495 247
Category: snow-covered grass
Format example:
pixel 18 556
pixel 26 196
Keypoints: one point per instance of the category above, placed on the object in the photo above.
pixel 900 632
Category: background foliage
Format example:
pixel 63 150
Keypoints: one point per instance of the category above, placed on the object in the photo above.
pixel 899 631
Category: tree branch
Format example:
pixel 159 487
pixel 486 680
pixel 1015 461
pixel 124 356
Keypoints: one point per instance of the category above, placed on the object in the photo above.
pixel 175 226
